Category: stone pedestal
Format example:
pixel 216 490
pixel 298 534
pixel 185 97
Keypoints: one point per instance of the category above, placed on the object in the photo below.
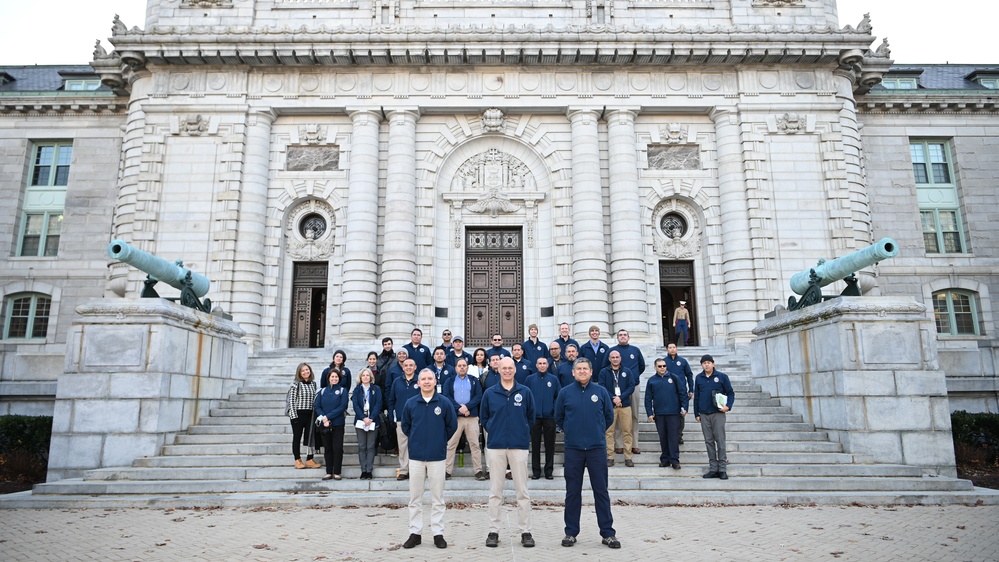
pixel 865 370
pixel 137 372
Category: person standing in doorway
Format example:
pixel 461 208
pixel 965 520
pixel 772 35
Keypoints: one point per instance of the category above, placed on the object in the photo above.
pixel 681 323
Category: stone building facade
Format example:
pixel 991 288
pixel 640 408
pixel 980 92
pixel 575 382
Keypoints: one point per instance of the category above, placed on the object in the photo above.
pixel 346 170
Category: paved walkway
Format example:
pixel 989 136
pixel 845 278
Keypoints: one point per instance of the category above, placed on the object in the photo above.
pixel 647 533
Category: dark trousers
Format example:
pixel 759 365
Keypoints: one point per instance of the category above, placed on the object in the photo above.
pixel 595 462
pixel 668 427
pixel 333 449
pixel 300 427
pixel 543 427
pixel 682 333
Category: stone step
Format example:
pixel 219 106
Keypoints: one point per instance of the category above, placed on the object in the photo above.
pixel 479 490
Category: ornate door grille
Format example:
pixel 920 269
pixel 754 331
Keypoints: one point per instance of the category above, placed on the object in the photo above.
pixel 494 286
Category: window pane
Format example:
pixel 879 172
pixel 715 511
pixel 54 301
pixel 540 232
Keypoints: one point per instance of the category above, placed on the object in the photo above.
pixel 29 245
pixel 919 170
pixel 44 154
pixel 18 328
pixel 20 310
pixel 948 221
pixel 941 315
pixel 51 246
pixel 41 324
pixel 930 241
pixel 929 221
pixel 952 243
pixel 941 174
pixel 34 224
pixel 40 176
pixel 917 153
pixel 55 224
pixel 62 175
pixel 937 153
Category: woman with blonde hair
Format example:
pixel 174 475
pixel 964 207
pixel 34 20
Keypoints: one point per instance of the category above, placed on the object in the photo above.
pixel 299 409
pixel 367 401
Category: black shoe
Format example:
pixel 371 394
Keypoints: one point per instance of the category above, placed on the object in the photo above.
pixel 412 541
pixel 568 540
pixel 447 476
pixel 629 463
pixel 527 540
pixel 439 541
pixel 492 540
pixel 612 542
pixel 711 474
pixel 663 464
pixel 610 462
pixel 723 475
pixel 549 477
pixel 676 466
pixel 509 475
pixel 681 440
pixel 535 477
pixel 480 476
pixel 402 477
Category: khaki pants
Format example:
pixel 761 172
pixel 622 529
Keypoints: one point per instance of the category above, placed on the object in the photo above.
pixel 469 426
pixel 622 419
pixel 517 458
pixel 419 472
pixel 403 449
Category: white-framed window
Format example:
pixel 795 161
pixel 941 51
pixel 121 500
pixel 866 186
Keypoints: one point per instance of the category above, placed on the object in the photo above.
pixel 899 83
pixel 990 83
pixel 940 215
pixel 81 85
pixel 26 316
pixel 45 196
pixel 955 313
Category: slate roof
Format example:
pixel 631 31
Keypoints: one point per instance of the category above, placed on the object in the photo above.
pixel 941 76
pixel 42 78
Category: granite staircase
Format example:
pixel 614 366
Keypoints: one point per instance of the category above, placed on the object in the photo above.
pixel 240 456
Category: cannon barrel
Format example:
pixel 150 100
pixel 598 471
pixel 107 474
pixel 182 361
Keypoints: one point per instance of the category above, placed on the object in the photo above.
pixel 157 268
pixel 834 270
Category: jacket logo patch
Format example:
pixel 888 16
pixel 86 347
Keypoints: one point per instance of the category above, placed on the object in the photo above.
pixel 549 384
pixel 677 363
pixel 437 410
pixel 716 379
pixel 632 356
pixel 593 398
pixel 415 386
pixel 624 374
pixel 337 392
pixel 518 398
pixel 670 381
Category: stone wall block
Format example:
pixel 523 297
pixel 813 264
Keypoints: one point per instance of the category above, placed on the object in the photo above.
pixel 864 383
pixel 122 449
pixel 890 344
pixel 790 385
pixel 892 414
pixel 84 385
pixel 931 450
pixel 800 358
pixel 778 360
pixel 122 348
pixel 168 348
pixel 927 383
pixel 62 417
pixel 105 416
pixel 886 447
pixel 819 384
pixel 138 385
pixel 182 386
pixel 827 347
pixel 759 353
pixel 77 451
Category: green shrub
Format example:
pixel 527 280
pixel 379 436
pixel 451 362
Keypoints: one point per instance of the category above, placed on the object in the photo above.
pixel 979 431
pixel 29 434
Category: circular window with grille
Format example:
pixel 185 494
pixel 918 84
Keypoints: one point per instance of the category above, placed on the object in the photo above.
pixel 312 226
pixel 674 226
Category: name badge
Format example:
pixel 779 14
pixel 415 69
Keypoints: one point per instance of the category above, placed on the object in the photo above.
pixel 617 391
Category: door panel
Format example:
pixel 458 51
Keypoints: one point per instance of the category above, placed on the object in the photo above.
pixel 308 304
pixel 495 287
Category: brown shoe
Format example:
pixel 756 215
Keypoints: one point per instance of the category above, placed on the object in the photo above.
pixel 635 451
pixel 299 463
pixel 618 451
pixel 311 464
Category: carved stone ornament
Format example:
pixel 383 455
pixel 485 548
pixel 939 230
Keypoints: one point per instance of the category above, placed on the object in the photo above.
pixel 883 51
pixel 193 125
pixel 673 133
pixel 493 121
pixel 206 4
pixel 312 134
pixel 791 123
pixel 683 239
pixel 495 179
pixel 777 3
pixel 309 231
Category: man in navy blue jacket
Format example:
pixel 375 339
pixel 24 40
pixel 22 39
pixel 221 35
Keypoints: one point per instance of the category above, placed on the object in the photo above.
pixel 620 384
pixel 465 393
pixel 428 420
pixel 544 386
pixel 679 366
pixel 584 411
pixel 524 368
pixel 458 351
pixel 507 413
pixel 534 347
pixel 707 386
pixel 594 349
pixel 666 403
pixel 632 358
pixel 497 348
pixel 417 351
pixel 403 388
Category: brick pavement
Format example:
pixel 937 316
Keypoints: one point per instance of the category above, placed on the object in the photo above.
pixel 652 533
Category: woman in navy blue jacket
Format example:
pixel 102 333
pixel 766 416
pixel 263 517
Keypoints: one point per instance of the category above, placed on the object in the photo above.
pixel 367 401
pixel 331 413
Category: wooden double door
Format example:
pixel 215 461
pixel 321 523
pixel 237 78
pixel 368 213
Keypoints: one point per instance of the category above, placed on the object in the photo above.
pixel 494 278
pixel 308 304
pixel 676 283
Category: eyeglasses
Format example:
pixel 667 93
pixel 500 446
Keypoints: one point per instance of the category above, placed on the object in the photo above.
pixel 446 334
pixel 497 339
pixel 663 366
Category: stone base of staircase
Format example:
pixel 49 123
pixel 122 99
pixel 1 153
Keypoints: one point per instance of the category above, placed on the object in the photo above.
pixel 240 456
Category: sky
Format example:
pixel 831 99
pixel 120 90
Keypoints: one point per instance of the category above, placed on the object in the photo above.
pixel 919 31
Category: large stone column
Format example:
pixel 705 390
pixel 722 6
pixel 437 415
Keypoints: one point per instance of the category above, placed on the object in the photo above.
pixel 629 295
pixel 360 268
pixel 398 302
pixel 589 261
pixel 865 370
pixel 248 266
pixel 137 372
pixel 741 310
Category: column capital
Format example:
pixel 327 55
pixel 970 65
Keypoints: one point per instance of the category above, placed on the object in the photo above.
pixel 721 112
pixel 582 113
pixel 358 115
pixel 622 114
pixel 406 113
pixel 259 115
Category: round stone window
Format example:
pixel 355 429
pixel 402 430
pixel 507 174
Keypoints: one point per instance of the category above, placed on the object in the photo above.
pixel 674 226
pixel 312 226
